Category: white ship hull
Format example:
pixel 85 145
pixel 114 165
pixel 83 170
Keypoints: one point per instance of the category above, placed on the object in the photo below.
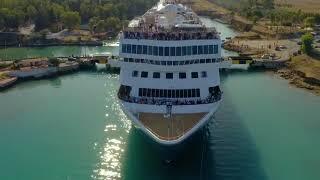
pixel 136 123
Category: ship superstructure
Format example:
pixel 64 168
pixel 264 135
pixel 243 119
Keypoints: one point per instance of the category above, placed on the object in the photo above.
pixel 170 83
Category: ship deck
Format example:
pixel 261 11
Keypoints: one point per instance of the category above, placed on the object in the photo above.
pixel 171 128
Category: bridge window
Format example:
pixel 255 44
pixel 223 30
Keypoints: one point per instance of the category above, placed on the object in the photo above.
pixel 172 51
pixel 194 75
pixel 160 51
pixel 124 48
pixel 145 49
pixel 155 50
pixel 194 50
pixel 129 48
pixel 135 73
pixel 182 75
pixel 169 75
pixel 149 50
pixel 134 49
pixel 210 49
pixel 184 50
pixel 139 50
pixel 216 49
pixel 156 75
pixel 178 51
pixel 206 49
pixel 204 74
pixel 166 51
pixel 200 49
pixel 144 74
pixel 189 50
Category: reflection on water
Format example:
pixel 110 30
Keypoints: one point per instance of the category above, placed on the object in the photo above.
pixel 222 150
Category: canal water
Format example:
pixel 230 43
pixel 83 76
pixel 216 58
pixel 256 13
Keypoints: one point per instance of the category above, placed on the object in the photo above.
pixel 72 127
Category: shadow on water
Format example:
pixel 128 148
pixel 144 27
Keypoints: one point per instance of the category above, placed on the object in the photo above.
pixel 222 150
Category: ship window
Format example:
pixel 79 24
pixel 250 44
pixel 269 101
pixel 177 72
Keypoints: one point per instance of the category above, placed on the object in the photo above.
pixel 166 51
pixel 136 60
pixel 157 62
pixel 157 93
pixel 148 92
pixel 194 75
pixel 160 51
pixel 149 50
pixel 202 61
pixel 169 93
pixel 208 60
pixel 210 49
pixel 175 63
pixel 169 75
pixel 181 93
pixel 135 74
pixel 129 48
pixel 144 92
pixel 174 94
pixel 131 60
pixel 181 63
pixel 169 63
pixel 143 61
pixel 184 50
pixel 155 50
pixel 187 62
pixel 197 61
pixel 198 92
pixel 182 75
pixel 124 48
pixel 139 51
pixel 200 49
pixel 126 60
pixel 134 49
pixel 164 63
pixel 213 60
pixel 145 49
pixel 178 51
pixel 151 61
pixel 191 61
pixel 172 51
pixel 156 75
pixel 153 93
pixel 206 49
pixel 140 92
pixel 185 93
pixel 144 74
pixel 194 50
pixel 189 93
pixel 177 93
pixel 161 93
pixel 193 93
pixel 165 93
pixel 216 49
pixel 189 50
pixel 204 74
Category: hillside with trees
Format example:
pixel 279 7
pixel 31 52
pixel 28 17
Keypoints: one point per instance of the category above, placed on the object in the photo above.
pixel 102 15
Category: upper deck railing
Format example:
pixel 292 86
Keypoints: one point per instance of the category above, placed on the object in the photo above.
pixel 175 34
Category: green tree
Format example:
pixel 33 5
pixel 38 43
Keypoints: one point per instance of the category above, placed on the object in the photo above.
pixel 307 41
pixel 113 24
pixel 71 19
pixel 309 21
pixel 31 12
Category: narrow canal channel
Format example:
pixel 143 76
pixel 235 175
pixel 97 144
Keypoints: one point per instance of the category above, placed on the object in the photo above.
pixel 72 127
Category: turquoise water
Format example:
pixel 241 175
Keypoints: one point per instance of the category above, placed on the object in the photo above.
pixel 72 127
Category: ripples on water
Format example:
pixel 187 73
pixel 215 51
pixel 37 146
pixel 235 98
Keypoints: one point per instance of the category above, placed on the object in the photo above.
pixel 223 150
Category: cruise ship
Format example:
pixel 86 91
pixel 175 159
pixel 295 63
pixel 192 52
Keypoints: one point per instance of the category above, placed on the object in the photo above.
pixel 169 78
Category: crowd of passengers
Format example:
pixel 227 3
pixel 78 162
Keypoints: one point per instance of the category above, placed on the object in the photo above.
pixel 153 101
pixel 169 36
